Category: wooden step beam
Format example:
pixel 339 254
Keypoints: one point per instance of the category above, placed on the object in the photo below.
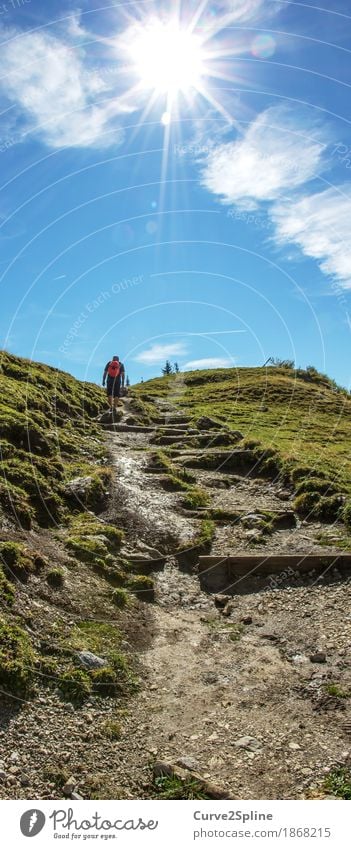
pixel 219 573
pixel 123 428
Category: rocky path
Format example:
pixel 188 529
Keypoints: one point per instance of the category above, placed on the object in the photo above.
pixel 251 693
pixel 254 697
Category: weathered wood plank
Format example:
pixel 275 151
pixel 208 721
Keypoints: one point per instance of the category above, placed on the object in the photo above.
pixel 217 573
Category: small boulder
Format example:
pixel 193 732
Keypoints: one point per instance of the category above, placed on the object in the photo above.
pixel 228 609
pixel 70 786
pixel 247 620
pixel 188 763
pixel 90 661
pixel 221 600
pixel 318 657
pixel 249 743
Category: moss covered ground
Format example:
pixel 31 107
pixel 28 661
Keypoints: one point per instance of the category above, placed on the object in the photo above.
pixel 48 439
pixel 54 486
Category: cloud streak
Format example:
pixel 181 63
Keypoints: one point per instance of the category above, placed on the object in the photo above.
pixel 159 353
pixel 209 362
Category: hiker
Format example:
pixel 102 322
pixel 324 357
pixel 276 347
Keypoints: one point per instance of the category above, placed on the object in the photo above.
pixel 115 374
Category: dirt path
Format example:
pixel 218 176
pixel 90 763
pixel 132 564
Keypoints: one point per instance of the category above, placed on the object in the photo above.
pixel 235 697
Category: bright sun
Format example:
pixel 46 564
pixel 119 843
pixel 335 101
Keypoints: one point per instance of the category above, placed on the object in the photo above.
pixel 167 58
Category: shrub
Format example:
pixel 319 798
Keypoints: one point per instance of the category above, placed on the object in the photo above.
pixel 112 729
pixel 196 497
pixel 15 503
pixel 89 549
pixel 312 484
pixel 17 660
pixel 75 685
pixel 142 586
pixel 17 561
pixel 330 508
pixel 339 782
pixel 55 578
pixel 173 787
pixel 86 525
pixel 346 514
pixel 312 505
pixel 105 681
pixel 306 504
pixel 120 597
pixel 7 592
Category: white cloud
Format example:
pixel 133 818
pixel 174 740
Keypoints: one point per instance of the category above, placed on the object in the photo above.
pixel 159 353
pixel 280 151
pixel 74 26
pixel 209 362
pixel 56 92
pixel 320 224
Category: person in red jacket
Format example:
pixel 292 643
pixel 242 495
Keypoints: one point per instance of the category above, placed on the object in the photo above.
pixel 113 377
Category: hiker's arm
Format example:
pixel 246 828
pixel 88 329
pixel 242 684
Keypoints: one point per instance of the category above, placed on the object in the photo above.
pixel 104 374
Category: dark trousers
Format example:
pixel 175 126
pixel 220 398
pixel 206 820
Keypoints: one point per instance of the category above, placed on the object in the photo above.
pixel 113 387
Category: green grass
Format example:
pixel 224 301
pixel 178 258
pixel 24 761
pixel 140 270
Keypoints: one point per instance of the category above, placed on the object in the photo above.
pixel 172 787
pixel 120 597
pixel 17 660
pixel 335 690
pixel 338 782
pixel 48 437
pixel 301 415
pixel 102 638
pixel 112 729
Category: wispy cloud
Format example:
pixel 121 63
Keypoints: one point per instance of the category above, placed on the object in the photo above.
pixel 159 353
pixel 58 95
pixel 280 151
pixel 320 224
pixel 209 362
pixel 273 166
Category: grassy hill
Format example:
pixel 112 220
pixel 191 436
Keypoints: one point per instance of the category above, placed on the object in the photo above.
pixel 48 439
pixel 61 567
pixel 300 417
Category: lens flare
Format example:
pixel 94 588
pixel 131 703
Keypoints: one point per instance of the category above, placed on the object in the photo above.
pixel 263 46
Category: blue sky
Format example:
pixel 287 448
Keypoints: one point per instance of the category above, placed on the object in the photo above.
pixel 175 188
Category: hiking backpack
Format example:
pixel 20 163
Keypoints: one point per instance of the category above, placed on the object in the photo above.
pixel 114 369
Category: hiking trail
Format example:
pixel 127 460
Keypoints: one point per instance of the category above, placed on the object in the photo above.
pixel 230 692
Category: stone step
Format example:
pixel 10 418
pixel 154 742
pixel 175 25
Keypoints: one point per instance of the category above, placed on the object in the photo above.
pixel 217 573
pixel 169 440
pixel 177 431
pixel 229 460
pixel 172 420
pixel 281 519
pixel 124 428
